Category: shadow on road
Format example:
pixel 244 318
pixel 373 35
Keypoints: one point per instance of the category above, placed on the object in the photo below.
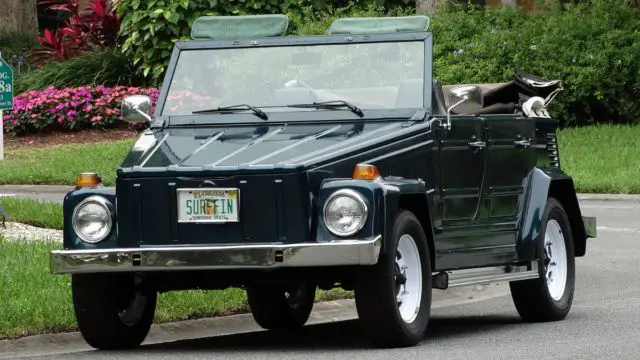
pixel 338 336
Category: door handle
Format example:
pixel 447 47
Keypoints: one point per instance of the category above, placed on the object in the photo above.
pixel 522 143
pixel 477 144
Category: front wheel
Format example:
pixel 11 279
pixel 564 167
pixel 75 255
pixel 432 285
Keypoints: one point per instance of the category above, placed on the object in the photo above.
pixel 393 297
pixel 113 311
pixel 281 307
pixel 549 297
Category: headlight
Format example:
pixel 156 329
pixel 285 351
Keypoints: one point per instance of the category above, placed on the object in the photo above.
pixel 92 219
pixel 345 212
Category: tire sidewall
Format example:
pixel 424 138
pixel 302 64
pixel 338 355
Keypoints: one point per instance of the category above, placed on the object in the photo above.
pixel 96 305
pixel 555 211
pixel 407 223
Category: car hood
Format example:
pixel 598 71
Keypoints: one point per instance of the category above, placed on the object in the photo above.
pixel 267 146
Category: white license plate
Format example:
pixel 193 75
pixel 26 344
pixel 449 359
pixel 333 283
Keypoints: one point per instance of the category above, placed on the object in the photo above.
pixel 212 205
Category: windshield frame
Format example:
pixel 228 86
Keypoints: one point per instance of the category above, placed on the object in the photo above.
pixel 300 115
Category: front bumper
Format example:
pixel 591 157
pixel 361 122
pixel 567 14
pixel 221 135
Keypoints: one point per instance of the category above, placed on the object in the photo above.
pixel 253 256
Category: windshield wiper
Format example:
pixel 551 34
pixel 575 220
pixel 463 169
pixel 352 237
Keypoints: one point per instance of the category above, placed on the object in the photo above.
pixel 259 113
pixel 333 104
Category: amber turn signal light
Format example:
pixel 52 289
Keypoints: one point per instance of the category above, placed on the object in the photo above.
pixel 87 179
pixel 365 172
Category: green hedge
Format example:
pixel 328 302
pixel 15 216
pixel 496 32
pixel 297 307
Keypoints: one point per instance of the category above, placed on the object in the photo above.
pixel 152 26
pixel 594 49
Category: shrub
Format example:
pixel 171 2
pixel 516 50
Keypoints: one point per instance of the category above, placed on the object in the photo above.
pixel 594 49
pixel 15 49
pixel 94 29
pixel 108 67
pixel 70 108
pixel 151 28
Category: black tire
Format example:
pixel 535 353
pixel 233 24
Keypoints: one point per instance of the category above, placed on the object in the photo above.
pixel 281 308
pixel 98 300
pixel 376 290
pixel 532 298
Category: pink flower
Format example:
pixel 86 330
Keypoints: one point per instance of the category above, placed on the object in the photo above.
pixel 70 108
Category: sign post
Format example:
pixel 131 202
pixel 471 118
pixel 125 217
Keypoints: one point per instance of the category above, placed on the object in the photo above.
pixel 6 97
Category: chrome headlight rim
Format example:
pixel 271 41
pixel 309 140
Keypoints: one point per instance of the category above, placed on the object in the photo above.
pixel 101 201
pixel 355 195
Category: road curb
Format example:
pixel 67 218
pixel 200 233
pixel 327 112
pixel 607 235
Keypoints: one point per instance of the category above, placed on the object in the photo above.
pixel 36 188
pixel 609 197
pixel 323 312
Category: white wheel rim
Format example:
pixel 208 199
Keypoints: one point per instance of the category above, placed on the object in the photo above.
pixel 408 278
pixel 555 259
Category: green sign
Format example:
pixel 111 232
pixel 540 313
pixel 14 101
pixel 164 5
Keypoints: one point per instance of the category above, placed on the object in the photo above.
pixel 6 85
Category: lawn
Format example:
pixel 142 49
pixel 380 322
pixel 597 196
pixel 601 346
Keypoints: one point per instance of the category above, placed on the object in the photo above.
pixel 36 302
pixel 32 212
pixel 60 164
pixel 602 159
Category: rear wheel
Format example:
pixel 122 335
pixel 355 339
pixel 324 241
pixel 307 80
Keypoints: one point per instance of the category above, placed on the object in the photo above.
pixel 549 298
pixel 113 311
pixel 393 297
pixel 281 307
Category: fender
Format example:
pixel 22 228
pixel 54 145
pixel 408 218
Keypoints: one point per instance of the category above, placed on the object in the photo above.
pixel 385 199
pixel 70 239
pixel 540 185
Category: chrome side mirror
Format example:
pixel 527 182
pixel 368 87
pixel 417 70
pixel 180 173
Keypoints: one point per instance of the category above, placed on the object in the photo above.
pixel 466 98
pixel 136 108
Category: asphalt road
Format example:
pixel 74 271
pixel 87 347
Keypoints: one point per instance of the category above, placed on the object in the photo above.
pixel 604 322
pixel 48 193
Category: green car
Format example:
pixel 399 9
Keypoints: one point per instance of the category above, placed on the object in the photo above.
pixel 283 164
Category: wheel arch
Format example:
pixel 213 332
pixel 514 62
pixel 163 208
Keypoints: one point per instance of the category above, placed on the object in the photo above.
pixel 386 200
pixel 564 191
pixel 419 205
pixel 540 185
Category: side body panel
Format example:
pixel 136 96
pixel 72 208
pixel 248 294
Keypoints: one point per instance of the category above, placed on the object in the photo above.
pixel 484 164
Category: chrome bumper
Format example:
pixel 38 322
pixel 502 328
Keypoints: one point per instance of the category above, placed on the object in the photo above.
pixel 590 226
pixel 254 256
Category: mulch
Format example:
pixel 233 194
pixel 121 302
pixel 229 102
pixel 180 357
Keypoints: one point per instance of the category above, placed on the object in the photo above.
pixel 67 137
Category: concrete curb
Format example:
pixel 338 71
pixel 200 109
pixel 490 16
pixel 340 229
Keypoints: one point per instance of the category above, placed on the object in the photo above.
pixel 609 197
pixel 323 312
pixel 36 188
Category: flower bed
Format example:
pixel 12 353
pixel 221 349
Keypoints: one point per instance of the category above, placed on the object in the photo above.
pixel 71 109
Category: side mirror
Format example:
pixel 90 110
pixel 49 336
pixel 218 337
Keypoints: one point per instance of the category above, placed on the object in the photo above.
pixel 136 108
pixel 466 98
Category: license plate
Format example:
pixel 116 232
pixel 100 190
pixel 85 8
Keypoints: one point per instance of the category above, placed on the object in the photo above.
pixel 215 205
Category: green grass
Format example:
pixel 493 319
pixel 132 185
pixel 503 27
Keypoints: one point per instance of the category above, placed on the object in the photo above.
pixel 59 165
pixel 602 159
pixel 32 212
pixel 37 302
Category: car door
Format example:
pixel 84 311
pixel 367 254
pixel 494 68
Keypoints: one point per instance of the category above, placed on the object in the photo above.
pixel 461 177
pixel 510 158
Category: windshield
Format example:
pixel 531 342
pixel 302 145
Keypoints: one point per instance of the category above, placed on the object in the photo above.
pixel 369 76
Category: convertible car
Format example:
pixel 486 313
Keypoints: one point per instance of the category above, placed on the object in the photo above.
pixel 286 164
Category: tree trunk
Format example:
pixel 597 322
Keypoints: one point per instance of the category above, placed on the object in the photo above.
pixel 19 16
